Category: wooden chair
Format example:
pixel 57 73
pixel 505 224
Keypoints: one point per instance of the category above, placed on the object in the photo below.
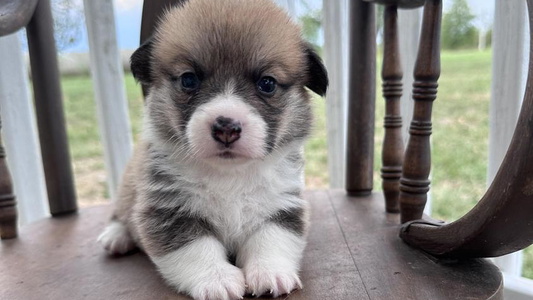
pixel 354 251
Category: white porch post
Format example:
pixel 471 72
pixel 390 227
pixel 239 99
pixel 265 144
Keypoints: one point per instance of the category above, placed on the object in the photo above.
pixel 110 93
pixel 20 133
pixel 517 288
pixel 335 22
pixel 509 44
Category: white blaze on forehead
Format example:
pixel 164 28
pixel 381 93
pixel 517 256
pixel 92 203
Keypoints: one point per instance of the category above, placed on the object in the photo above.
pixel 252 141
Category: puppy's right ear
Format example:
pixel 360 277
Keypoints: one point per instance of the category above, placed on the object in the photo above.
pixel 317 74
pixel 140 63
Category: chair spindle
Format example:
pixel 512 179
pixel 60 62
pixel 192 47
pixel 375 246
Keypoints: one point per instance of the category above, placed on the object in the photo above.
pixel 8 211
pixel 414 183
pixel 361 95
pixel 49 110
pixel 392 153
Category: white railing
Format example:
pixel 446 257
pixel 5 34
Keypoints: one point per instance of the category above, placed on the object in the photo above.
pixel 19 129
pixel 110 92
pixel 510 52
pixel 335 57
pixel 24 159
pixel 510 59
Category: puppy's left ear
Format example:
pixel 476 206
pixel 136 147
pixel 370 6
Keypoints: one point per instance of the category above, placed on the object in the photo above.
pixel 317 75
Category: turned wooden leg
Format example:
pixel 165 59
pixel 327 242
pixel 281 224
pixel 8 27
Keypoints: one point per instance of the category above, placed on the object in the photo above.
pixel 414 183
pixel 392 153
pixel 8 211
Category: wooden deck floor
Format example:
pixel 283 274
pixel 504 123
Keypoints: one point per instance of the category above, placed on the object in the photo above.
pixel 353 252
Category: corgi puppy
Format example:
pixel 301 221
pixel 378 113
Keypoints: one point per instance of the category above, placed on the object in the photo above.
pixel 213 193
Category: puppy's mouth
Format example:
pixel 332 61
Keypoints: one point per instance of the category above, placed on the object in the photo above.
pixel 227 155
pixel 230 156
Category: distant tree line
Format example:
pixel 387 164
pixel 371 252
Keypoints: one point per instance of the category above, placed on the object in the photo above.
pixel 458 30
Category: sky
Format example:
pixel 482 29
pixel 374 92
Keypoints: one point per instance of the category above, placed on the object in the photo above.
pixel 128 26
pixel 128 19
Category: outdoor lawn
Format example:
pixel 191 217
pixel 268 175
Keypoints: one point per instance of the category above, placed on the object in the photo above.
pixel 459 149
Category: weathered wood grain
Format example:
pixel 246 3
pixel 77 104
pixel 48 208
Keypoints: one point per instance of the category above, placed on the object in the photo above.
pixel 353 252
pixel 390 269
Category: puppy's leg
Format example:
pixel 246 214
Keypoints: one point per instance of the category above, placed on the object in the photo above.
pixel 270 260
pixel 116 238
pixel 202 270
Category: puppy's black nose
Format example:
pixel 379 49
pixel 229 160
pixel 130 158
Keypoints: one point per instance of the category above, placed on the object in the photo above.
pixel 226 130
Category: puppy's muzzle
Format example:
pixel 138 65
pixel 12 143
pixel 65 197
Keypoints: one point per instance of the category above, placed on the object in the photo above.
pixel 226 130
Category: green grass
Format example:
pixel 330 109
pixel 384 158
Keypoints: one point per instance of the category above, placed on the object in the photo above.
pixel 316 155
pixel 81 117
pixel 459 141
pixel 83 133
pixel 461 130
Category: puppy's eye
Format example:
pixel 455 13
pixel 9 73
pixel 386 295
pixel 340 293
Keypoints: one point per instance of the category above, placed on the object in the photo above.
pixel 189 81
pixel 267 85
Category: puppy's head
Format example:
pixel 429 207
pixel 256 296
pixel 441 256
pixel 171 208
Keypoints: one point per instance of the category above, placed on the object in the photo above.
pixel 227 80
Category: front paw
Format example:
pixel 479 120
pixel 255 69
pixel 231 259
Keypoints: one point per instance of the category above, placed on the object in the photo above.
pixel 225 282
pixel 268 280
pixel 116 239
pixel 201 269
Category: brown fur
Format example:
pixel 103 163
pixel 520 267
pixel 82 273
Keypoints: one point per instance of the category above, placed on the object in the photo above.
pixel 249 35
pixel 242 40
pixel 129 188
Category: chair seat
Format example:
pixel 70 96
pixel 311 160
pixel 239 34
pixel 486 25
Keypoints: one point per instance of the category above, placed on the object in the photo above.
pixel 353 252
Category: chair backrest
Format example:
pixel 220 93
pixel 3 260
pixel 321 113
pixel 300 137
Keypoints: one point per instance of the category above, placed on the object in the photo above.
pixel 501 222
pixel 15 14
pixel 484 231
pixel 487 229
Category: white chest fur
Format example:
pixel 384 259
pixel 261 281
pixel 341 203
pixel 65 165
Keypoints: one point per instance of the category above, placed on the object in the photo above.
pixel 237 200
